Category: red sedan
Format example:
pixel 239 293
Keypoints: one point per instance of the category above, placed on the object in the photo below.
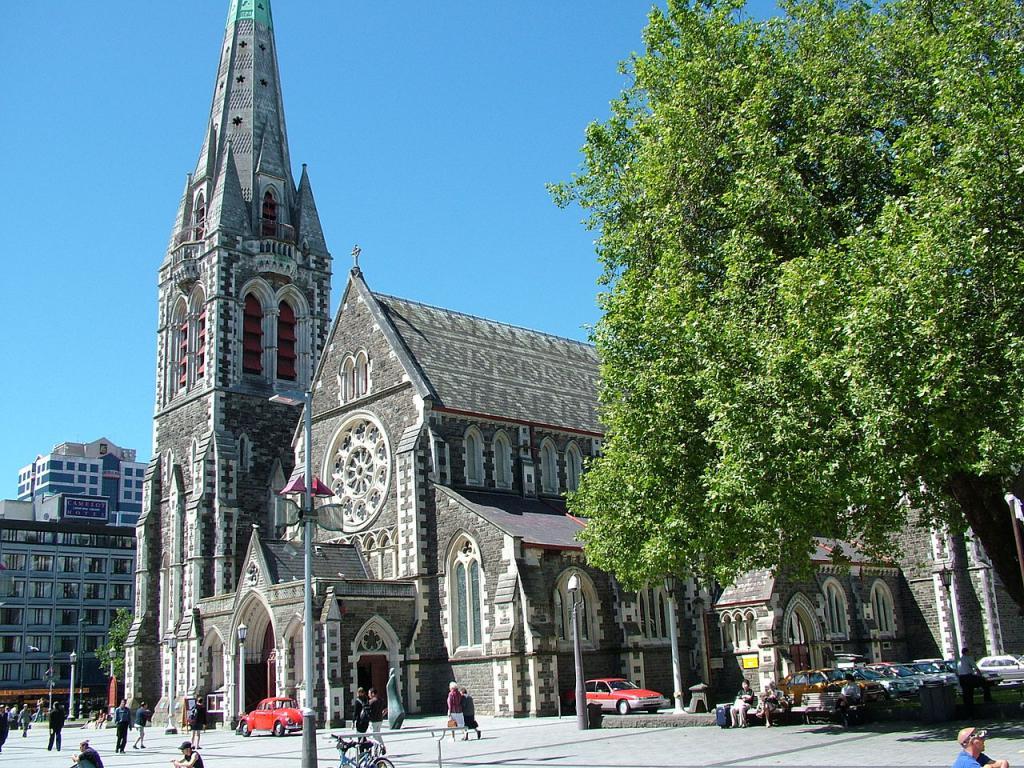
pixel 279 715
pixel 616 694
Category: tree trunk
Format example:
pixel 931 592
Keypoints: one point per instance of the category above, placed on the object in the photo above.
pixel 981 498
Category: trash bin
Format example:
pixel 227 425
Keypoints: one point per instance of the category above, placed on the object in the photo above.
pixel 937 702
pixel 594 715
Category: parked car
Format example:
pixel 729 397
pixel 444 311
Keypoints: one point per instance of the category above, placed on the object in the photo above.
pixel 1002 669
pixel 894 686
pixel 935 671
pixel 830 679
pixel 278 714
pixel 616 694
pixel 910 680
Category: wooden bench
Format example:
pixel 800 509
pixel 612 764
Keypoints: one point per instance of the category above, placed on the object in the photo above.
pixel 817 705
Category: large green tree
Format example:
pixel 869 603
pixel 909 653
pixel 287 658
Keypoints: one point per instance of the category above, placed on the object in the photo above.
pixel 111 654
pixel 811 229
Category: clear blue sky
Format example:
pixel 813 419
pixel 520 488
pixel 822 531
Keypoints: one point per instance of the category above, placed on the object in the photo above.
pixel 429 130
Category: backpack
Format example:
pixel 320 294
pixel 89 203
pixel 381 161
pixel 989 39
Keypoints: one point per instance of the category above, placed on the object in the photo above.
pixel 362 717
pixel 193 714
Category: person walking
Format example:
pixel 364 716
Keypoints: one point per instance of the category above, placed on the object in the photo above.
pixel 469 715
pixel 87 757
pixel 197 720
pixel 26 720
pixel 377 711
pixel 361 711
pixel 142 718
pixel 5 726
pixel 56 723
pixel 455 707
pixel 122 722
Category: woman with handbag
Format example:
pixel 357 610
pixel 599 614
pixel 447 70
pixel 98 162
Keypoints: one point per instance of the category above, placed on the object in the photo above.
pixel 455 718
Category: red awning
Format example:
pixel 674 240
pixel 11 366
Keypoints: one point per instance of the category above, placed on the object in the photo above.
pixel 297 484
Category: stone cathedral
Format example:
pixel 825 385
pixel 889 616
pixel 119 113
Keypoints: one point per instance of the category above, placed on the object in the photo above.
pixel 448 442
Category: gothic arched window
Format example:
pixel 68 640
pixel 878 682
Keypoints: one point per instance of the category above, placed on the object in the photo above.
pixel 586 605
pixel 362 374
pixel 835 608
pixel 179 347
pixel 573 467
pixel 199 218
pixel 882 606
pixel 252 336
pixel 286 341
pixel 474 457
pixel 269 214
pixel 502 461
pixel 548 467
pixel 464 595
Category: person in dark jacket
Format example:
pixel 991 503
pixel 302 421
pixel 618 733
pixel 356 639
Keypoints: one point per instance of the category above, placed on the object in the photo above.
pixel 122 722
pixel 361 711
pixel 469 715
pixel 142 718
pixel 87 757
pixel 377 711
pixel 5 726
pixel 197 721
pixel 56 723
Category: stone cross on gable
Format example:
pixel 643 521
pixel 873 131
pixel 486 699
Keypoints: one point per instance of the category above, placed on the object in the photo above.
pixel 356 250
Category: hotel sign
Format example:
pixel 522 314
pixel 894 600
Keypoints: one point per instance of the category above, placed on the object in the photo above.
pixel 76 508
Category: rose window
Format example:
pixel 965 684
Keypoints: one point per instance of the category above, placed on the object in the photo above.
pixel 360 464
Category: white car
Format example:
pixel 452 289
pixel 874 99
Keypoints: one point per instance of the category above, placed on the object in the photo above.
pixel 1008 669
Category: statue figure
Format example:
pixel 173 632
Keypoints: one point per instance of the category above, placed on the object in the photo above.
pixel 396 712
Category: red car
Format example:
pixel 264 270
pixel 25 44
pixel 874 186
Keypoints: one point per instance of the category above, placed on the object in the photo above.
pixel 616 694
pixel 279 715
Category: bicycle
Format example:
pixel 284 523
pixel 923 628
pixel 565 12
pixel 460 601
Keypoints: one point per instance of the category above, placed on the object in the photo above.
pixel 367 753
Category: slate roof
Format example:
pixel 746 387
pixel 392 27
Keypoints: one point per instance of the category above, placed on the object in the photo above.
pixel 490 368
pixel 751 587
pixel 285 560
pixel 542 522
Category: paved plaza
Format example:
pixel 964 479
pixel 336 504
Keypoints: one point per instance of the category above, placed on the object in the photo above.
pixel 552 742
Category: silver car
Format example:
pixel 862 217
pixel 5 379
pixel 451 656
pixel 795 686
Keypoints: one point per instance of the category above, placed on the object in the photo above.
pixel 1005 669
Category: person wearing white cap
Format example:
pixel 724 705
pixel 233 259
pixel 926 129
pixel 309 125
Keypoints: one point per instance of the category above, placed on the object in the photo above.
pixel 972 740
pixel 189 757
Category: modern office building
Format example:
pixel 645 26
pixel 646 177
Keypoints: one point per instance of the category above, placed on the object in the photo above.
pixel 62 582
pixel 99 469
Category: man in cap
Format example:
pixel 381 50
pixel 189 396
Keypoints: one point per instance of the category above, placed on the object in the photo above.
pixel 973 755
pixel 189 757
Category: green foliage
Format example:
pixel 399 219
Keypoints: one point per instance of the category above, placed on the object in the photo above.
pixel 811 233
pixel 112 652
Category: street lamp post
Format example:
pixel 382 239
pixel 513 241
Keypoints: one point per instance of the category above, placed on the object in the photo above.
pixel 577 652
pixel 305 399
pixel 673 634
pixel 1017 514
pixel 71 693
pixel 172 646
pixel 242 632
pixel 946 577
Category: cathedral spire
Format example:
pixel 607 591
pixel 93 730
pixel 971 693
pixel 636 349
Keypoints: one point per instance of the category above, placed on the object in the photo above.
pixel 247 113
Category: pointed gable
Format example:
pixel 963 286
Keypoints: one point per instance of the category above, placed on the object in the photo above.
pixel 228 210
pixel 310 233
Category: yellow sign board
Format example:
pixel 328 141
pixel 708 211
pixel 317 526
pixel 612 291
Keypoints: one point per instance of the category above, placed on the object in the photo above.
pixel 750 662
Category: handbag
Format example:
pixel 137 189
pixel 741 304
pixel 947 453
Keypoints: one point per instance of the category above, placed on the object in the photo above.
pixel 452 723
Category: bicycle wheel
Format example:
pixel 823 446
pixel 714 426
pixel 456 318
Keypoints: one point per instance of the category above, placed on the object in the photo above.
pixel 381 762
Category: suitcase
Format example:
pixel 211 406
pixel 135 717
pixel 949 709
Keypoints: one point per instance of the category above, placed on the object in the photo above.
pixel 722 715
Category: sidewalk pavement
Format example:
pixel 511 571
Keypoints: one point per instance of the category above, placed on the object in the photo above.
pixel 532 743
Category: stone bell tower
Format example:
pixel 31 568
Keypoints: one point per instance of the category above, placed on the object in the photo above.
pixel 244 292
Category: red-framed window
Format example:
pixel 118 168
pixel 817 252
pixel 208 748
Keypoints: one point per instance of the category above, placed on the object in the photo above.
pixel 252 336
pixel 201 345
pixel 183 354
pixel 286 342
pixel 269 215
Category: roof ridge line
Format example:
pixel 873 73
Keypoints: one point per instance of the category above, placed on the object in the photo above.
pixel 587 344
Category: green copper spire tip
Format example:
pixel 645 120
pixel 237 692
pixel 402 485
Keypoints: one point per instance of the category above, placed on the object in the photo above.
pixel 257 10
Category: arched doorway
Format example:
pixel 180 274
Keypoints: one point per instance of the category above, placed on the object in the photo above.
pixel 375 654
pixel 259 666
pixel 799 635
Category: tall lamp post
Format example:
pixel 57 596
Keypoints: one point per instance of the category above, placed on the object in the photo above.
pixel 172 692
pixel 1017 514
pixel 242 632
pixel 673 635
pixel 305 399
pixel 573 586
pixel 946 577
pixel 71 693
